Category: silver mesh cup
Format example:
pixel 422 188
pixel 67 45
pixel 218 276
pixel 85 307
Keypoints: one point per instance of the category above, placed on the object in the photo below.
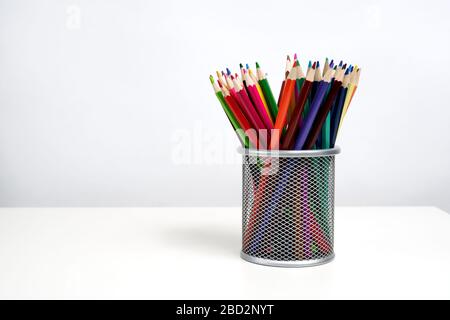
pixel 288 207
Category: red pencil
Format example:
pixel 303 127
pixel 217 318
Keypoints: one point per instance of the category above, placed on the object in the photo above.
pixel 292 101
pixel 240 103
pixel 250 111
pixel 256 98
pixel 240 117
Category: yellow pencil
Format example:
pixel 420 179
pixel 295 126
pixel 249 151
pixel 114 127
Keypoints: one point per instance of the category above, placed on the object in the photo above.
pixel 353 84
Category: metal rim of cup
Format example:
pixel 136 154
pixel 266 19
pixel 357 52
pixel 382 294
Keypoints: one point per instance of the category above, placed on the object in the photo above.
pixel 290 153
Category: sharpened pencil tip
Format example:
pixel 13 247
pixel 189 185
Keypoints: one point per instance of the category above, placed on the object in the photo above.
pixel 228 71
pixel 257 65
pixel 288 58
pixel 318 64
pixel 247 66
pixel 314 65
pixel 211 78
pixel 309 64
pixel 295 56
pixel 241 65
pixel 340 63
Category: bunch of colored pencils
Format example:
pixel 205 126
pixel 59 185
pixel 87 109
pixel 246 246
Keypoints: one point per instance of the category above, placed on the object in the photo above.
pixel 309 111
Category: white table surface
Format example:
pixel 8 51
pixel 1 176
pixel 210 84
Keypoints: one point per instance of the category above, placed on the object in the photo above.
pixel 193 253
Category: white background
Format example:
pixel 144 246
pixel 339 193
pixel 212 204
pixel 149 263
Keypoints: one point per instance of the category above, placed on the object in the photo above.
pixel 98 99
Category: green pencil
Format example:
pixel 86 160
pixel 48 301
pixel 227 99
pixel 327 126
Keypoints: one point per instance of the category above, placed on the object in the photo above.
pixel 267 92
pixel 326 129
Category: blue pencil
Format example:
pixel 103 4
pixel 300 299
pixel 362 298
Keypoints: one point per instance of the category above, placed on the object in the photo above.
pixel 313 110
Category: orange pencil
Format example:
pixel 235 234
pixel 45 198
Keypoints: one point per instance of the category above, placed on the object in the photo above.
pixel 283 108
pixel 287 69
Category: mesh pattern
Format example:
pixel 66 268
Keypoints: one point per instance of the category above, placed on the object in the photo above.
pixel 288 207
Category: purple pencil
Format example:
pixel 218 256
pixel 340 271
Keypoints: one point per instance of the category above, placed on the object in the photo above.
pixel 313 110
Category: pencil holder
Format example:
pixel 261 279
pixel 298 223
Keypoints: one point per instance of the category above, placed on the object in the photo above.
pixel 288 207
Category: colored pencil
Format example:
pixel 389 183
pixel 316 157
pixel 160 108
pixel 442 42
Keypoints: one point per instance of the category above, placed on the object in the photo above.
pixel 324 110
pixel 247 108
pixel 254 78
pixel 294 122
pixel 354 80
pixel 231 117
pixel 326 67
pixel 221 79
pixel 267 92
pixel 260 92
pixel 325 137
pixel 317 78
pixel 308 100
pixel 283 109
pixel 247 105
pixel 313 110
pixel 300 78
pixel 299 75
pixel 257 102
pixel 244 123
pixel 287 69
pixel 336 112
pixel 252 74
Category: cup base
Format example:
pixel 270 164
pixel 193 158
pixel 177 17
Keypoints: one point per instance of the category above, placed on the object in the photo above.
pixel 287 264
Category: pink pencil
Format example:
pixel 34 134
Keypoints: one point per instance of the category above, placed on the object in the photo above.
pixel 231 82
pixel 247 105
pixel 257 100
